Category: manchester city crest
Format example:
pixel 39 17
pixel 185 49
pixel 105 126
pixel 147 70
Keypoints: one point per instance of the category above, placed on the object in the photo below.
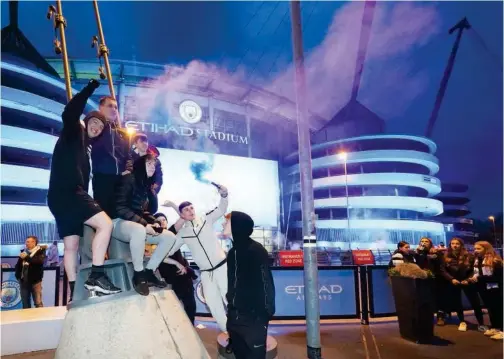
pixel 11 294
pixel 190 112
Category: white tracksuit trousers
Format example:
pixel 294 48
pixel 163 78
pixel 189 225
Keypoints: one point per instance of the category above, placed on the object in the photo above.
pixel 215 289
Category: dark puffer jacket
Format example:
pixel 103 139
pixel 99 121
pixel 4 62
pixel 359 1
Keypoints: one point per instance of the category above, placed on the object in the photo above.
pixel 459 267
pixel 133 193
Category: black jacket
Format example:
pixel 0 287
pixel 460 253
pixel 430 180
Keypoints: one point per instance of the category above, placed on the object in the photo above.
pixel 35 268
pixel 158 175
pixel 459 268
pixel 70 161
pixel 169 272
pixel 110 151
pixel 429 260
pixel 496 277
pixel 134 198
pixel 251 290
pixel 399 257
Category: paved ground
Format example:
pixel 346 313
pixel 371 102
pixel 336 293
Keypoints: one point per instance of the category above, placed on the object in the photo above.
pixel 352 341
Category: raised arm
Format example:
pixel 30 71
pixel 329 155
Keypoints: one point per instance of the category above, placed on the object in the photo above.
pixel 75 107
pixel 221 209
pixel 180 222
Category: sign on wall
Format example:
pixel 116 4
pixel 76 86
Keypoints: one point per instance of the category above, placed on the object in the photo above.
pixel 363 257
pixel 291 258
pixel 336 293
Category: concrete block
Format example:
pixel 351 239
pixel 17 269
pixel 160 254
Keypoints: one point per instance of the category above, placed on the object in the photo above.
pixel 119 250
pixel 118 271
pixel 129 325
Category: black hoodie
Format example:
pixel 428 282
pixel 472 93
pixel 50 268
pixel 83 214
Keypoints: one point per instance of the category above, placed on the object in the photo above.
pixel 70 161
pixel 133 193
pixel 251 290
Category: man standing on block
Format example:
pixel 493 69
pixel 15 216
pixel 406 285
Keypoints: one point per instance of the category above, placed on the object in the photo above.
pixel 68 198
pixel 251 290
pixel 199 235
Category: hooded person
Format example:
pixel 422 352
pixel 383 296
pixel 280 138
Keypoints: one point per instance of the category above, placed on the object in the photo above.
pixel 198 234
pixel 68 198
pixel 251 289
pixel 134 224
pixel 175 270
pixel 142 147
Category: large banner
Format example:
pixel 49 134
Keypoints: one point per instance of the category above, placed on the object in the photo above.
pixel 337 293
pixel 11 291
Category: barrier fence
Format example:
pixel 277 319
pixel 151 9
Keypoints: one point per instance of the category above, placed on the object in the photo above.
pixel 345 292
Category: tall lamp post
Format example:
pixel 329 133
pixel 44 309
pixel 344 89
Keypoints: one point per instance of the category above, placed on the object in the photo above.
pixel 311 288
pixel 343 156
pixel 492 219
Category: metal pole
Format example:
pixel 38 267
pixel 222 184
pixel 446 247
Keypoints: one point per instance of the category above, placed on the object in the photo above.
pixel 311 293
pixel 347 204
pixel 103 50
pixel 460 26
pixel 495 233
pixel 60 24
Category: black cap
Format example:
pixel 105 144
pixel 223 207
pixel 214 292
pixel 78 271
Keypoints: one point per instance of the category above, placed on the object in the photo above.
pixel 157 215
pixel 95 114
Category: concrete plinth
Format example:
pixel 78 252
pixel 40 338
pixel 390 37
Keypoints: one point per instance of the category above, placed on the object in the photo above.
pixel 222 341
pixel 129 325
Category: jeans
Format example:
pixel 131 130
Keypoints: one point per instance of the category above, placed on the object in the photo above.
pixel 29 291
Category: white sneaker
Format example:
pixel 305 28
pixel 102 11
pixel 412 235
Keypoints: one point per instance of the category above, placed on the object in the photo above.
pixel 462 327
pixel 482 328
pixel 491 332
pixel 498 336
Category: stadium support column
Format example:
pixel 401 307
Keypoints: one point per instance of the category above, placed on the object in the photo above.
pixel 460 27
pixel 60 47
pixel 305 171
pixel 103 50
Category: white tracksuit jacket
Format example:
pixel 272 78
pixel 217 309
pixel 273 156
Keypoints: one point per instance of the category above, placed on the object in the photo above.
pixel 206 250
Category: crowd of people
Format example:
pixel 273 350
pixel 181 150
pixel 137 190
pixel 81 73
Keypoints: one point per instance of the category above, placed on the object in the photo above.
pixel 478 275
pixel 126 177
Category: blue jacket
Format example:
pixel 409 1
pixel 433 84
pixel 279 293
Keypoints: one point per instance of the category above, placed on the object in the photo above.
pixel 110 151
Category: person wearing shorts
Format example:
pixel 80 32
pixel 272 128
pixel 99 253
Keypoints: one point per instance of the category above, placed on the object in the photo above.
pixel 67 198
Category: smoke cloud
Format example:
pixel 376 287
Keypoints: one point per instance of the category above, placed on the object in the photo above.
pixel 388 84
pixel 397 29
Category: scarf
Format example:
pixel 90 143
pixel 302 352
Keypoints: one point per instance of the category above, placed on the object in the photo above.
pixel 26 264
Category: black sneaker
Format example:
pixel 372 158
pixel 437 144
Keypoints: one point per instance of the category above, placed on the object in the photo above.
pixel 102 285
pixel 153 280
pixel 229 347
pixel 140 283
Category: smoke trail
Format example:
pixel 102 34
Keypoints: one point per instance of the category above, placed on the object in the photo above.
pixel 201 168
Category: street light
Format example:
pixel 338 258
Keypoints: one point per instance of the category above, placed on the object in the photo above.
pixel 492 219
pixel 343 156
pixel 131 132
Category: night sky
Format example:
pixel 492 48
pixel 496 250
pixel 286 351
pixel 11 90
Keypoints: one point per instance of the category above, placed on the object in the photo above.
pixel 408 51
